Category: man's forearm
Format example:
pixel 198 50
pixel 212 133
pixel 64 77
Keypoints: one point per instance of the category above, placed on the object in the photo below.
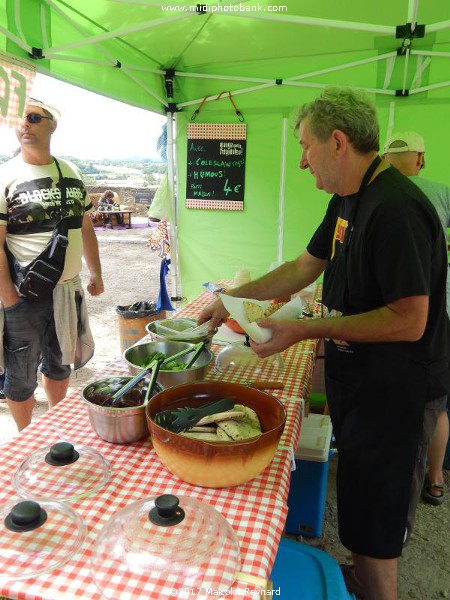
pixel 8 292
pixel 380 325
pixel 287 279
pixel 91 252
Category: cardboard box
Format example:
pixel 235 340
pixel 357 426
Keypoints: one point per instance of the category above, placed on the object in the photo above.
pixel 308 490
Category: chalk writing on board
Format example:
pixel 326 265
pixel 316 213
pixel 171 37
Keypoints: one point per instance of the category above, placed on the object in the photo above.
pixel 216 169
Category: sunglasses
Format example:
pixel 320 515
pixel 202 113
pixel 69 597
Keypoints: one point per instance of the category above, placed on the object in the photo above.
pixel 35 118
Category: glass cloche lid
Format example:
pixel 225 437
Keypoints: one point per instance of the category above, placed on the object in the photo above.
pixel 157 545
pixel 61 472
pixel 37 537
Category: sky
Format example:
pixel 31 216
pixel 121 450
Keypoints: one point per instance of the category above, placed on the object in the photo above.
pixel 92 126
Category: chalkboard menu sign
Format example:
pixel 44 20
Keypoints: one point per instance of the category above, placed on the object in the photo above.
pixel 216 166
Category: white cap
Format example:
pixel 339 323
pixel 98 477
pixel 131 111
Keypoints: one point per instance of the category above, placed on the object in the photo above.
pixel 404 141
pixel 51 109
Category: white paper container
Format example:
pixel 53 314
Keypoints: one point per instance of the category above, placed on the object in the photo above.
pixel 235 306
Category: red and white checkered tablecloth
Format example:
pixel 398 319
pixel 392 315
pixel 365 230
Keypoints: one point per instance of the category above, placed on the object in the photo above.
pixel 256 511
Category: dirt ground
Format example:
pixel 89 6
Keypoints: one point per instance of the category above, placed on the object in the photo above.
pixel 131 273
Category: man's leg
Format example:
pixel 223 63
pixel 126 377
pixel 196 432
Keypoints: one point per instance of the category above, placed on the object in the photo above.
pixel 55 390
pixel 432 411
pixel 377 576
pixel 436 454
pixel 21 411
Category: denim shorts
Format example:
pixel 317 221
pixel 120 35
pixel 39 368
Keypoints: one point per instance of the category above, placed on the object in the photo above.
pixel 29 340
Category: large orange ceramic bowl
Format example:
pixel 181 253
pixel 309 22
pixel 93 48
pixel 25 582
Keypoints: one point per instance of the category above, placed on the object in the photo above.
pixel 216 464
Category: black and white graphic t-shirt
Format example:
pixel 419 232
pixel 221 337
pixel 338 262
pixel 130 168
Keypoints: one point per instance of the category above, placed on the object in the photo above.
pixel 30 208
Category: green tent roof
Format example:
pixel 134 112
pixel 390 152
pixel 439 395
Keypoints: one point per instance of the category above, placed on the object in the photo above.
pixel 122 49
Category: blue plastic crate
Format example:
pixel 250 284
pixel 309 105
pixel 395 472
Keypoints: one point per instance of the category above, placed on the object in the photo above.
pixel 304 573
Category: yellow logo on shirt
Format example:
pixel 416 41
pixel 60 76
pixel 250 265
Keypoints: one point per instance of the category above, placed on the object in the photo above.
pixel 339 234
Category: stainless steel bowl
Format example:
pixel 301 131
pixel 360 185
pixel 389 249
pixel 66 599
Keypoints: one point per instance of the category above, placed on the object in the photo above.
pixel 151 329
pixel 138 354
pixel 116 425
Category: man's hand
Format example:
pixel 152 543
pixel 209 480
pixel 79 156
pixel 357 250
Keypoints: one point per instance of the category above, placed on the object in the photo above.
pixel 285 332
pixel 95 286
pixel 215 313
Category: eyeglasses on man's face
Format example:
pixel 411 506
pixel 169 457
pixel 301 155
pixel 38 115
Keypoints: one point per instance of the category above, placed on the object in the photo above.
pixel 35 118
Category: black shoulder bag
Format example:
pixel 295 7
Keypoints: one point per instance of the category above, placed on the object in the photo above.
pixel 37 280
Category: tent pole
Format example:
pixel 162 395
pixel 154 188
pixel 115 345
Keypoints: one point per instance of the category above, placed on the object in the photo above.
pixel 430 53
pixel 356 63
pixel 281 194
pixel 426 88
pixel 48 52
pixel 15 39
pixel 325 85
pixel 144 87
pixel 391 119
pixel 109 63
pixel 413 6
pixel 438 27
pixel 173 233
pixel 223 77
pixel 234 92
pixel 405 71
pixel 382 29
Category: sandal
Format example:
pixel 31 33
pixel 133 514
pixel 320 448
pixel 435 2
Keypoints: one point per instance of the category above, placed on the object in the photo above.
pixel 431 498
pixel 351 580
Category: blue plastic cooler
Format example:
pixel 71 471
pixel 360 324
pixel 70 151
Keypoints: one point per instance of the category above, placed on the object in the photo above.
pixel 308 489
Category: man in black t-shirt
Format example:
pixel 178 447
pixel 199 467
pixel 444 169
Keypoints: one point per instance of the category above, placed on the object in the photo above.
pixel 382 250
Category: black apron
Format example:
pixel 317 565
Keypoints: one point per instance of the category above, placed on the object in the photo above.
pixel 376 400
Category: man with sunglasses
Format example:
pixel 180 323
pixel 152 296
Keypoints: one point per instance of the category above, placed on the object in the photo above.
pixel 37 191
pixel 406 152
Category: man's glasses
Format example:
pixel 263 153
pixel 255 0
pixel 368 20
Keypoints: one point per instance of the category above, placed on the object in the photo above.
pixel 35 118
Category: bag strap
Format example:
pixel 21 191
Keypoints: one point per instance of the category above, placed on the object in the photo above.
pixel 63 224
pixel 56 247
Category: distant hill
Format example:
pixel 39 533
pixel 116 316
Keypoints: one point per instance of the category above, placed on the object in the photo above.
pixel 138 170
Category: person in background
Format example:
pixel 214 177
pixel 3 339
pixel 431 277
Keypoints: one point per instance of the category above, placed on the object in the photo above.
pixel 106 204
pixel 382 251
pixel 406 152
pixel 53 333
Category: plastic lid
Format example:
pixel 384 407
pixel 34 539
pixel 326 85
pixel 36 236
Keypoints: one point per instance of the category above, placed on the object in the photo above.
pixel 37 537
pixel 240 356
pixel 61 472
pixel 315 438
pixel 159 544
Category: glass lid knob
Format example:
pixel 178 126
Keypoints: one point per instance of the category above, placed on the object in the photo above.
pixel 166 511
pixel 25 516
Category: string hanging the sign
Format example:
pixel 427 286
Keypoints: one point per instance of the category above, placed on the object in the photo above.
pixel 239 115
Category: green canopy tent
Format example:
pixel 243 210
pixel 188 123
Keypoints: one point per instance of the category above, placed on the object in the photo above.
pixel 168 57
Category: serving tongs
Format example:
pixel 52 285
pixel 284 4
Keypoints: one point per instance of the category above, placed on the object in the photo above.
pixel 183 418
pixel 155 366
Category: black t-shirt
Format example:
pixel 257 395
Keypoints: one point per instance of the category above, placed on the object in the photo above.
pixel 397 250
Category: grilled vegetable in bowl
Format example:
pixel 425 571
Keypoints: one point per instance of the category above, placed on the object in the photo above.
pixel 139 354
pixel 101 392
pixel 236 423
pixel 211 462
pixel 117 425
pixel 171 366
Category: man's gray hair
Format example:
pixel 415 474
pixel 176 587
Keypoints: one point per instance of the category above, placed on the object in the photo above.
pixel 345 109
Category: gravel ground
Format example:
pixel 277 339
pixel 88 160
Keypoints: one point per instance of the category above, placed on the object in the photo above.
pixel 131 273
